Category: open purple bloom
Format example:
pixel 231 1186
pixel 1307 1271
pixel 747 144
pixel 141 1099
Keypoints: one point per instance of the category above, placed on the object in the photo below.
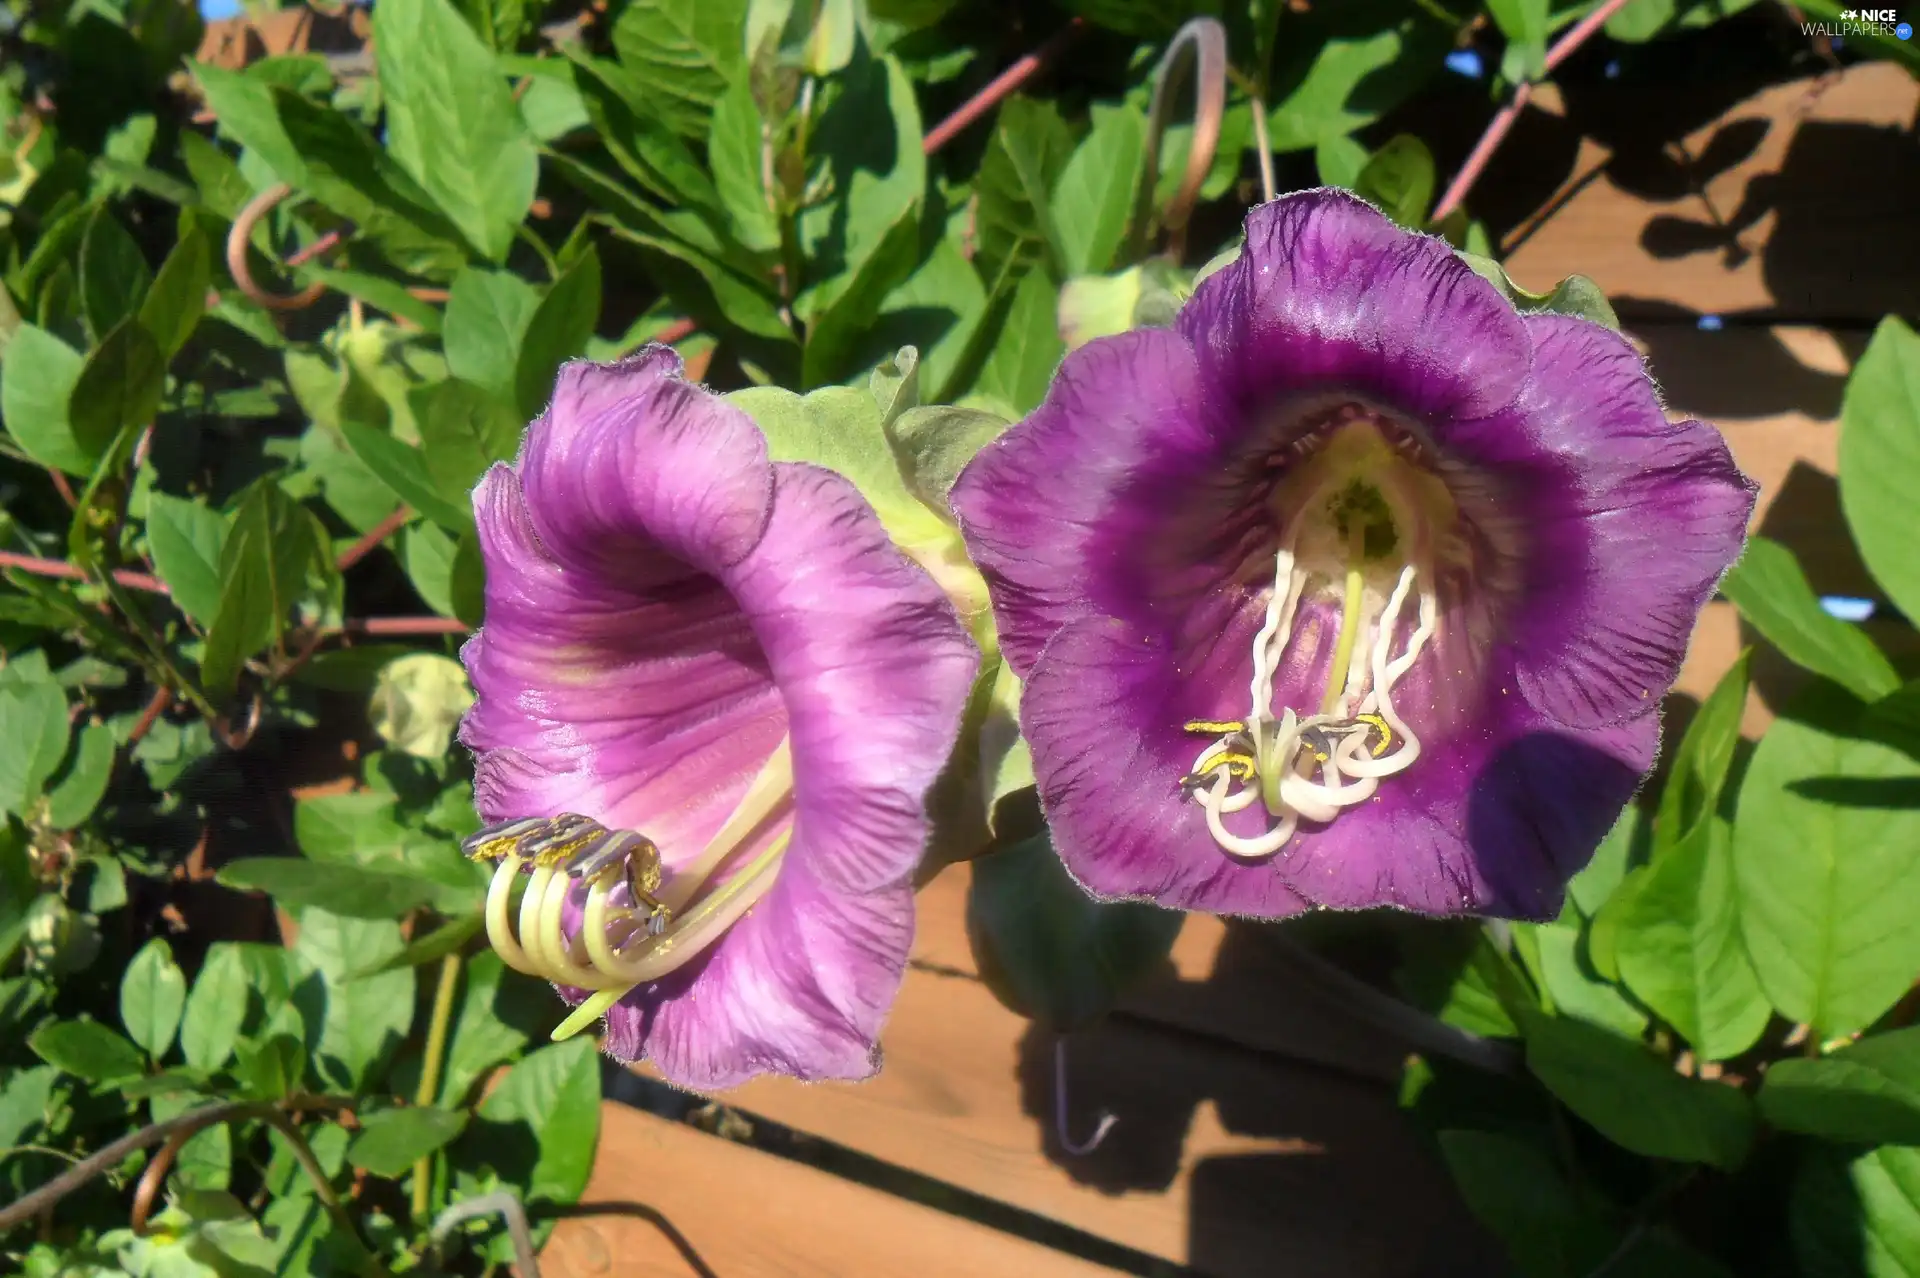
pixel 1356 587
pixel 711 698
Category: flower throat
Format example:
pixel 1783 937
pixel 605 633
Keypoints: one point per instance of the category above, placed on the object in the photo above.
pixel 1357 529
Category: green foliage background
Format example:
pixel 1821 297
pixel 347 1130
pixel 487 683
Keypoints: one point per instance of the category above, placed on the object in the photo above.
pixel 236 528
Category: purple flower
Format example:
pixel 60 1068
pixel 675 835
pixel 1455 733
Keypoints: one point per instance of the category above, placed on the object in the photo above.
pixel 711 698
pixel 1354 588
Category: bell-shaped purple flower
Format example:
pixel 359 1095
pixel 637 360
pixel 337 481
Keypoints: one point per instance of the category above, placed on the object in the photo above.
pixel 711 698
pixel 1356 587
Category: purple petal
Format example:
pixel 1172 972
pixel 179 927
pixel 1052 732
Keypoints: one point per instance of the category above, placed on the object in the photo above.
pixel 800 987
pixel 630 446
pixel 1102 711
pixel 1329 295
pixel 1122 413
pixel 641 698
pixel 663 606
pixel 875 668
pixel 1630 522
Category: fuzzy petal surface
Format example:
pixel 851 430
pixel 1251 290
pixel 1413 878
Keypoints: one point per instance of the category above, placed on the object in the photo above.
pixel 663 606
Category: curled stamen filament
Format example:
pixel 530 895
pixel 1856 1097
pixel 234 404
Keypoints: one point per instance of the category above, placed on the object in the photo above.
pixel 647 936
pixel 1284 759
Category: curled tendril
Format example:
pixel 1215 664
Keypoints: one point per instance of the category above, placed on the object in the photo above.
pixel 1198 49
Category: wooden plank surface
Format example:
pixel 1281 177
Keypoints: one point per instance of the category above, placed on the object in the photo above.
pixel 1797 204
pixel 669 1201
pixel 1219 1158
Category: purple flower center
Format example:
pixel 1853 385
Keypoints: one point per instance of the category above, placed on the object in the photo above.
pixel 1360 524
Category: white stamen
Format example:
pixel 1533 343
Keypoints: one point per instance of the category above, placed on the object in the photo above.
pixel 1348 774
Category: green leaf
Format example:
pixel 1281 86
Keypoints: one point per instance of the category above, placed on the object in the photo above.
pixel 1880 459
pixel 559 331
pixel 622 113
pixel 467 580
pixel 273 1068
pixel 178 299
pixel 1399 178
pixel 695 277
pixel 1827 863
pixel 463 431
pixel 119 386
pixel 114 275
pixel 685 54
pixel 75 796
pixel 1552 954
pixel 1022 363
pixel 1770 591
pixel 1339 159
pixel 348 891
pixel 86 1049
pixel 839 427
pixel 1576 295
pixel 1867 1093
pixel 1679 948
pixel 362 1021
pixel 153 993
pixel 1518 1193
pixel 499 1012
pixel 1524 23
pixel 1095 306
pixel 501 23
pixel 487 317
pixel 1635 1099
pixel 1029 150
pixel 186 539
pixel 216 1008
pixel 1050 951
pixel 1592 887
pixel 403 469
pixel 1094 195
pixel 417 703
pixel 1705 757
pixel 33 740
pixel 382 294
pixel 935 443
pixel 452 123
pixel 895 384
pixel 427 554
pixel 845 316
pixel 735 151
pixel 1344 66
pixel 390 1141
pixel 554 1096
pixel 1857 1215
pixel 263 568
pixel 449 937
pixel 37 383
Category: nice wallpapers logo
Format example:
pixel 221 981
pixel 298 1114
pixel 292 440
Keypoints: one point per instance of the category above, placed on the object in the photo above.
pixel 1860 22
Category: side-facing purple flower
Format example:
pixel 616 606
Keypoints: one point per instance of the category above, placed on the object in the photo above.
pixel 1356 587
pixel 711 698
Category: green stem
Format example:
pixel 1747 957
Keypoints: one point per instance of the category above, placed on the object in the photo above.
pixel 429 1092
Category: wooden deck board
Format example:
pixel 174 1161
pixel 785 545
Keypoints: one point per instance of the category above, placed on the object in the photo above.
pixel 666 1192
pixel 1797 204
pixel 1219 1159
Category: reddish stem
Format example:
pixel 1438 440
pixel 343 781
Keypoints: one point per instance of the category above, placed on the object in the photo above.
pixel 1001 86
pixel 148 717
pixel 68 572
pixel 1503 119
pixel 378 533
pixel 61 486
pixel 397 626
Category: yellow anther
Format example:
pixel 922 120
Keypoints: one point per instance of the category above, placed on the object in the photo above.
pixel 1380 724
pixel 560 853
pixel 1214 727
